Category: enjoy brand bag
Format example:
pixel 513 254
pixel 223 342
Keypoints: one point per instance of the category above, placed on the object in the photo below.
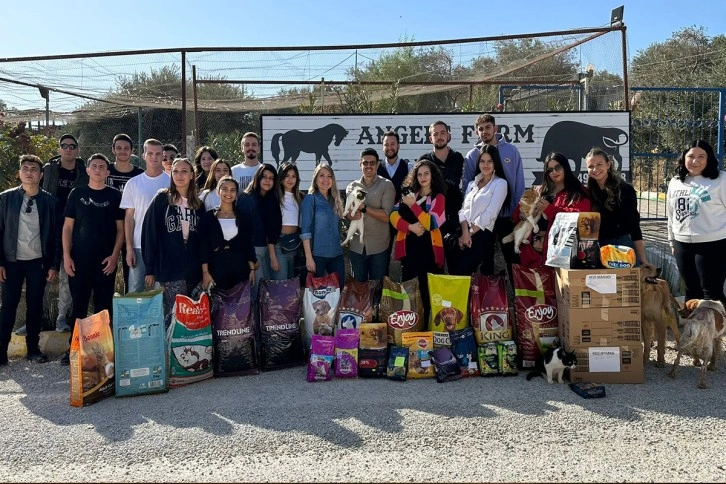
pixel 290 243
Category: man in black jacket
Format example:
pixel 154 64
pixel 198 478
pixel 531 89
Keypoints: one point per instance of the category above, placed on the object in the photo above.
pixel 29 252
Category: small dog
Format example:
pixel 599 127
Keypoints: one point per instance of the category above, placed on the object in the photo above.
pixel 450 317
pixel 529 215
pixel 355 199
pixel 323 324
pixel 656 297
pixel 702 331
pixel 588 226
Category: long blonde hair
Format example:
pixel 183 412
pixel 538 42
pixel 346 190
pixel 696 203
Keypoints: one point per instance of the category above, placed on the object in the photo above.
pixel 337 201
pixel 173 195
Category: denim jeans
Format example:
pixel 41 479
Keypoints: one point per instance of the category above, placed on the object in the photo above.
pixel 330 265
pixel 137 274
pixel 287 265
pixel 367 267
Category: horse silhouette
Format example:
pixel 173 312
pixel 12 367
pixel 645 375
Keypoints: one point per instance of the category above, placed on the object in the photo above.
pixel 316 141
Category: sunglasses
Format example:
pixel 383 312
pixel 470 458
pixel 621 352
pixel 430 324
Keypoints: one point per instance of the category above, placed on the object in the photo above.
pixel 68 146
pixel 556 168
pixel 29 206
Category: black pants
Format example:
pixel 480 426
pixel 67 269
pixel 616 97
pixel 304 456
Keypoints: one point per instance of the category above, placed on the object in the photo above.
pixel 481 253
pixel 702 266
pixel 90 278
pixel 124 268
pixel 503 227
pixel 33 274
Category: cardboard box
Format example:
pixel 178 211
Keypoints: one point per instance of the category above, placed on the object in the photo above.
pixel 600 326
pixel 614 364
pixel 600 288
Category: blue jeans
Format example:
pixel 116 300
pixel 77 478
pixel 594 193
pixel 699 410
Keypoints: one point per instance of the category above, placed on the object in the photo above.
pixel 330 265
pixel 368 267
pixel 137 274
pixel 287 265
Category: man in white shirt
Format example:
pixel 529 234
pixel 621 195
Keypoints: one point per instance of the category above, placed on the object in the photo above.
pixel 245 172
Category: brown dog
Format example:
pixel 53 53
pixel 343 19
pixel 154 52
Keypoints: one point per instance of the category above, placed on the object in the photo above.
pixel 656 297
pixel 450 317
pixel 323 324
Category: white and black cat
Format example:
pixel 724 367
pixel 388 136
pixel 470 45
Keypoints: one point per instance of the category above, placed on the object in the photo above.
pixel 553 363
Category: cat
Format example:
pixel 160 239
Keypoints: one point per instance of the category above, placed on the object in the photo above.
pixel 553 363
pixel 529 216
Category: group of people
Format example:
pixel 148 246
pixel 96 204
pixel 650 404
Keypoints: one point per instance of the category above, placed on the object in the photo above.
pixel 180 222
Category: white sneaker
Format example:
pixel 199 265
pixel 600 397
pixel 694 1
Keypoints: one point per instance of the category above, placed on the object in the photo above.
pixel 62 327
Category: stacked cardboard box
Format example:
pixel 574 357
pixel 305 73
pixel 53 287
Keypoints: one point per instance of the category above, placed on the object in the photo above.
pixel 599 313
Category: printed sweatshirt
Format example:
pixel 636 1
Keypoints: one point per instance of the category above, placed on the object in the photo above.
pixel 696 209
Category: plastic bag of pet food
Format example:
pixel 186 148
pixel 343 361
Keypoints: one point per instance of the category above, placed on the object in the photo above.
pixel 490 308
pixel 447 368
pixel 356 303
pixel 373 336
pixel 346 353
pixel 565 234
pixel 372 362
pixel 463 345
pixel 92 360
pixel 535 305
pixel 280 332
pixel 507 352
pixel 587 255
pixel 235 349
pixel 320 363
pixel 419 361
pixel 617 257
pixel 320 305
pixel 397 363
pixel 189 338
pixel 449 305
pixel 488 355
pixel 401 308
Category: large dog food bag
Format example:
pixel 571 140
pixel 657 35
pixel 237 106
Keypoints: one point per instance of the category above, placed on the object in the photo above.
pixel 449 305
pixel 235 351
pixel 401 308
pixel 320 306
pixel 419 360
pixel 280 331
pixel 92 360
pixel 490 308
pixel 190 341
pixel 357 303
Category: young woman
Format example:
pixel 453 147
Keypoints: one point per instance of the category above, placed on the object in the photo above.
pixel 616 202
pixel 170 236
pixel 227 254
pixel 418 218
pixel 203 159
pixel 697 222
pixel 210 196
pixel 485 196
pixel 282 261
pixel 320 214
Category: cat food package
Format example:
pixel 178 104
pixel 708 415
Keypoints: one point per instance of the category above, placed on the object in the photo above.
pixel 401 307
pixel 92 360
pixel 449 305
pixel 535 305
pixel 463 345
pixel 567 230
pixel 190 343
pixel 397 363
pixel 617 257
pixel 372 362
pixel 357 303
pixel 587 255
pixel 419 361
pixel 280 333
pixel 373 336
pixel 140 344
pixel 488 355
pixel 346 353
pixel 320 362
pixel 490 308
pixel 320 306
pixel 447 368
pixel 235 349
pixel 588 390
pixel 507 352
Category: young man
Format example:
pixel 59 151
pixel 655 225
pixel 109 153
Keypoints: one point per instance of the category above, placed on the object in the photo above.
pixel 170 152
pixel 369 259
pixel 93 232
pixel 245 172
pixel 136 198
pixel 29 253
pixel 392 167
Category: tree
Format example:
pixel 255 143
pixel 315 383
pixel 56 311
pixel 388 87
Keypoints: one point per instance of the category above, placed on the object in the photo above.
pixel 15 140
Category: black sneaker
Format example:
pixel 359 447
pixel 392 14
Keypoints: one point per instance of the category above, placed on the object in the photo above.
pixel 3 360
pixel 37 358
pixel 66 360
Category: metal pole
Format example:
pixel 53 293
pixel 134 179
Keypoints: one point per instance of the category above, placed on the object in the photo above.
pixel 721 121
pixel 140 116
pixel 196 105
pixel 184 97
pixel 625 71
pixel 47 112
pixel 322 94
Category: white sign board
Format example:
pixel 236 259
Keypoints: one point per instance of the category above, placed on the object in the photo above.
pixel 340 138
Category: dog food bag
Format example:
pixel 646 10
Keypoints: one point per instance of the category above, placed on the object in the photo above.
pixel 357 303
pixel 346 353
pixel 419 361
pixel 535 305
pixel 92 360
pixel 617 257
pixel 190 341
pixel 372 362
pixel 140 344
pixel 447 368
pixel 488 355
pixel 449 305
pixel 587 255
pixel 507 352
pixel 565 234
pixel 320 363
pixel 401 307
pixel 235 348
pixel 397 363
pixel 373 336
pixel 490 308
pixel 320 305
pixel 463 345
pixel 280 332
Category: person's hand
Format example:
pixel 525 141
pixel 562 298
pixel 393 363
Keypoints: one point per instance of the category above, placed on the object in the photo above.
pixel 673 251
pixel 69 266
pixel 2 274
pixel 253 272
pixel 310 264
pixel 52 273
pixel 110 264
pixel 542 205
pixel 274 263
pixel 149 280
pixel 409 199
pixel 207 281
pixel 130 258
pixel 465 239
pixel 417 229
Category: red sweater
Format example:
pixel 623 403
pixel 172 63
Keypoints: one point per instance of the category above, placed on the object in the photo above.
pixel 431 218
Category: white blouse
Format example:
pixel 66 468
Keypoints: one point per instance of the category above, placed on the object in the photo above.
pixel 482 205
pixel 290 210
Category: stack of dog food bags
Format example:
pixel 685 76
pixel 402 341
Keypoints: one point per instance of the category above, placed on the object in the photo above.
pixel 373 351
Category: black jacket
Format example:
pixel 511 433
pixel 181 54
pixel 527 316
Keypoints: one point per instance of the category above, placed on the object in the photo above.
pixel 11 202
pixel 398 176
pixel 51 173
pixel 213 238
pixel 267 217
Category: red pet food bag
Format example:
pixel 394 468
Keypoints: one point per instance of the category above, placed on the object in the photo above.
pixel 356 303
pixel 490 309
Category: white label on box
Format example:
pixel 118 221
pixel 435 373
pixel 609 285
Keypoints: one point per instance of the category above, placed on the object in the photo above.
pixel 137 372
pixel 602 283
pixel 604 359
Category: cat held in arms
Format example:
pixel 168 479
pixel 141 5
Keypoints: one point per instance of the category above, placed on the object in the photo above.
pixel 529 216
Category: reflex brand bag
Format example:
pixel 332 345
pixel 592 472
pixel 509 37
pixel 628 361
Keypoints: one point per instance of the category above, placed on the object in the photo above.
pixel 190 341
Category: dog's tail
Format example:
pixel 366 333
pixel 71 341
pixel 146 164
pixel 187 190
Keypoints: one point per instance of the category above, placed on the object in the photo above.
pixel 689 336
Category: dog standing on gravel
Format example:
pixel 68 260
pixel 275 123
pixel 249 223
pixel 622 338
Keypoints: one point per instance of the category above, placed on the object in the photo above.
pixel 355 199
pixel 655 298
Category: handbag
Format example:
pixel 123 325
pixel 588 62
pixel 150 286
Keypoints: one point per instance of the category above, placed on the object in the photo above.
pixel 451 239
pixel 290 242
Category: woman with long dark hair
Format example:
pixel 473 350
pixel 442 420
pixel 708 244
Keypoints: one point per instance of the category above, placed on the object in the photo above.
pixel 203 159
pixel 220 168
pixel 282 262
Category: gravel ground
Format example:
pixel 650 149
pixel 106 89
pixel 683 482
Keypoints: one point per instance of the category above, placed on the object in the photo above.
pixel 278 427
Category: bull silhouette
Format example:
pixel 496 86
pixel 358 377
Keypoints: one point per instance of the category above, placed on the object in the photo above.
pixel 575 140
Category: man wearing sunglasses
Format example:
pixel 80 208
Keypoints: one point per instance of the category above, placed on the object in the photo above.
pixel 29 253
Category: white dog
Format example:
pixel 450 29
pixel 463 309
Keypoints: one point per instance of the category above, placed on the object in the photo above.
pixel 355 199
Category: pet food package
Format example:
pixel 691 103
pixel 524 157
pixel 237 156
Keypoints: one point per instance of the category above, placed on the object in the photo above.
pixel 401 308
pixel 490 308
pixel 397 363
pixel 535 305
pixel 346 353
pixel 320 363
pixel 587 255
pixel 565 234
pixel 92 360
pixel 357 303
pixel 507 353
pixel 488 356
pixel 373 336
pixel 235 349
pixel 447 368
pixel 140 344
pixel 190 341
pixel 617 257
pixel 320 305
pixel 449 305
pixel 463 345
pixel 280 333
pixel 588 390
pixel 419 361
pixel 372 362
